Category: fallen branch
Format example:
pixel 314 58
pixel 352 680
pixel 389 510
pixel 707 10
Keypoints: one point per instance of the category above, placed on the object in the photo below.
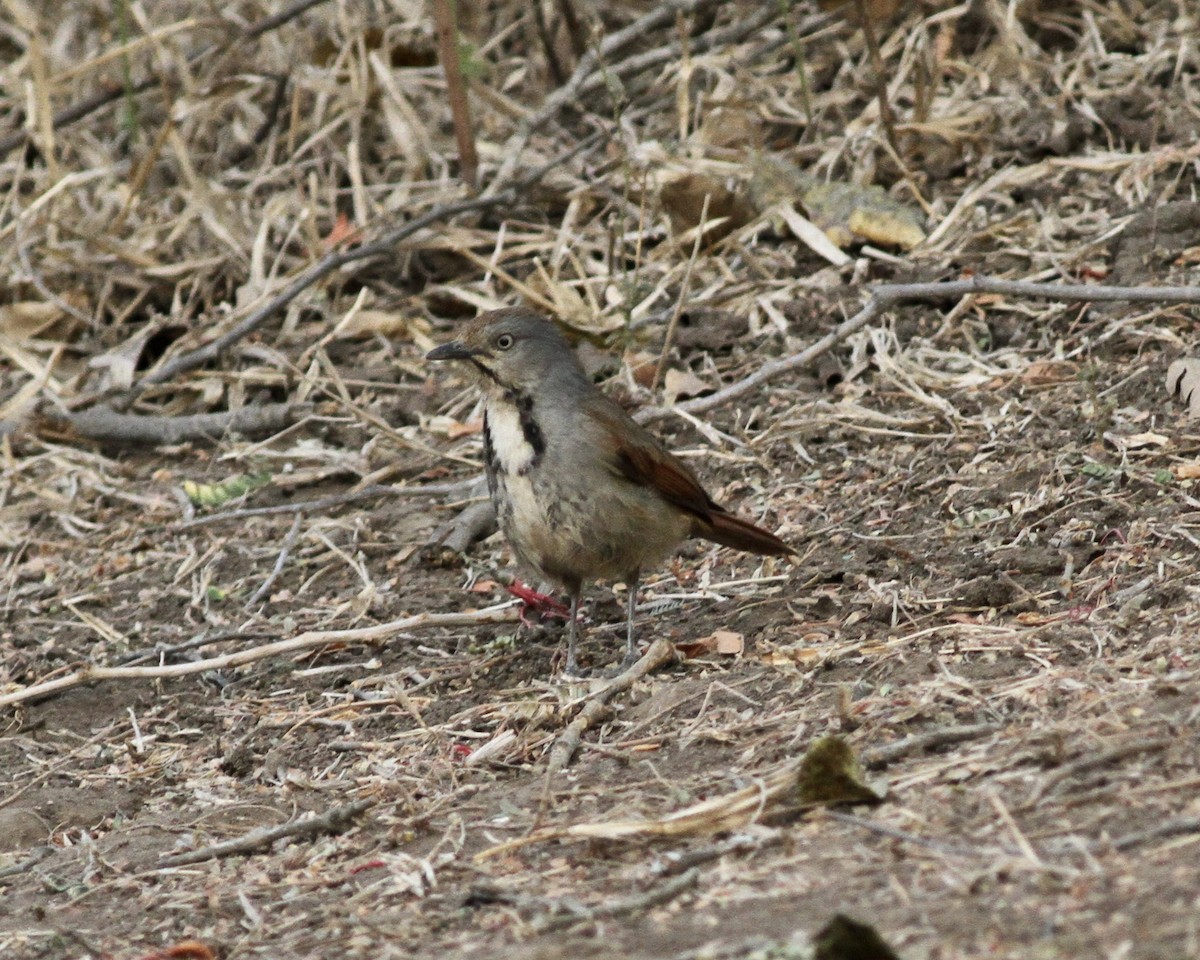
pixel 877 757
pixel 333 261
pixel 661 652
pixel 886 295
pixel 1174 827
pixel 36 856
pixel 565 914
pixel 162 650
pixel 323 504
pixel 107 425
pixel 331 821
pixel 288 542
pixel 305 279
pixel 500 613
pixel 450 541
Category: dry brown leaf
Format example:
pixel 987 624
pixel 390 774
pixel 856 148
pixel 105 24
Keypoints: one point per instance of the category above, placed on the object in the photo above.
pixel 1042 372
pixel 1183 377
pixel 682 385
pixel 386 323
pixel 642 366
pixel 724 642
pixel 1187 471
pixel 683 200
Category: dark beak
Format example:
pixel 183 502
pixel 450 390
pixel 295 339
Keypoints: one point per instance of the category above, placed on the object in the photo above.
pixel 454 350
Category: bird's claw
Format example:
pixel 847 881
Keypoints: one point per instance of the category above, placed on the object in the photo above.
pixel 544 606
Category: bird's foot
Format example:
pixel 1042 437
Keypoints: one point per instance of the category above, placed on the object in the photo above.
pixel 542 605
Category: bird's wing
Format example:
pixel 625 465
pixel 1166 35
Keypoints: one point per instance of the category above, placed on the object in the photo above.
pixel 634 453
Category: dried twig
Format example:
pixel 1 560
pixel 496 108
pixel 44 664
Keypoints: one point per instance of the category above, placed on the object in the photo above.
pixel 36 856
pixel 331 821
pixel 877 757
pixel 325 504
pixel 1173 827
pixel 661 652
pixel 567 915
pixel 334 261
pixel 501 613
pixel 105 424
pixel 288 542
pixel 456 90
pixel 885 295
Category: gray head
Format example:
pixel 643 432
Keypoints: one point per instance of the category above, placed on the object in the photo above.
pixel 513 349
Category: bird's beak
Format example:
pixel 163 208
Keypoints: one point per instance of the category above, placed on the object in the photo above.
pixel 454 350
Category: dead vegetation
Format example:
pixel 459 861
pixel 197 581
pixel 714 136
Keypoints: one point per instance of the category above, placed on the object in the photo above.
pixel 229 236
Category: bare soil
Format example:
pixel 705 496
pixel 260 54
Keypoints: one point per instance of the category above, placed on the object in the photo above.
pixel 996 522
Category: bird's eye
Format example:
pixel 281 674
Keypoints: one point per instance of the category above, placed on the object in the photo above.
pixel 504 341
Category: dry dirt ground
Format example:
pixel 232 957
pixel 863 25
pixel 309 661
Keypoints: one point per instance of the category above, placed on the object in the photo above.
pixel 994 602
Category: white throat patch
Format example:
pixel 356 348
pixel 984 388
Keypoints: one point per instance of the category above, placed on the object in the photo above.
pixel 514 453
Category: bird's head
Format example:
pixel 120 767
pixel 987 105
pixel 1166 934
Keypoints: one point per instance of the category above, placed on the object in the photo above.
pixel 513 349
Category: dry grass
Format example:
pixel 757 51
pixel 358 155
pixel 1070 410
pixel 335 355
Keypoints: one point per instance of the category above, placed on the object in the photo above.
pixel 993 497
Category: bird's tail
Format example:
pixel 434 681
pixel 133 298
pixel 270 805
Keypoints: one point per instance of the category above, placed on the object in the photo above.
pixel 731 531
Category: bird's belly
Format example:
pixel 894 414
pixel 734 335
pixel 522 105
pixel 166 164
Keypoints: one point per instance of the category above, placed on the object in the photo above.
pixel 570 531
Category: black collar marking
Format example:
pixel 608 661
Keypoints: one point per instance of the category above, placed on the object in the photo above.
pixel 530 431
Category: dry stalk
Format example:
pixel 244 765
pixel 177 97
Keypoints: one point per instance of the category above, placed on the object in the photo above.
pixel 501 613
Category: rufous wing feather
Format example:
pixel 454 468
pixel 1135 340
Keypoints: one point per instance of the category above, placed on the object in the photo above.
pixel 639 458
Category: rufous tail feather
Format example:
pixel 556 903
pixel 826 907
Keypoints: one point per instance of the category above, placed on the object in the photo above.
pixel 731 531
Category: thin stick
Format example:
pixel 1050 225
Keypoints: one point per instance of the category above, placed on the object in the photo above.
pixel 683 293
pixel 305 279
pixel 500 613
pixel 331 821
pixel 334 261
pixel 923 742
pixel 288 542
pixel 885 295
pixel 663 893
pixel 458 488
pixel 661 652
pixel 767 371
pixel 446 26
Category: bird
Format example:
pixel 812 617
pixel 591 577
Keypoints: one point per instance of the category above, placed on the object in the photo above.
pixel 581 490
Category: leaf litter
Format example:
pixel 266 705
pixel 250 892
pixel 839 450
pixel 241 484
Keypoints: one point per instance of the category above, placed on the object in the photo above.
pixel 994 506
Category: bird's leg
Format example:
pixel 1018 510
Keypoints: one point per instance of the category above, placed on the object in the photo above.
pixel 631 653
pixel 572 667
